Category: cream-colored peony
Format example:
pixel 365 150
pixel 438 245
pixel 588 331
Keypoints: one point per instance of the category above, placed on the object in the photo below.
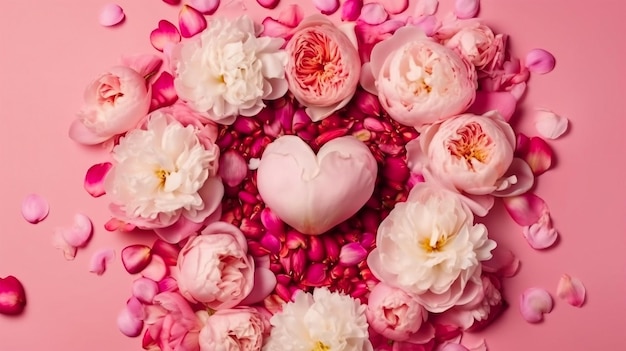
pixel 228 71
pixel 323 321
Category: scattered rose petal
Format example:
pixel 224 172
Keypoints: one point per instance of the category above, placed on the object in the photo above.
pixel 94 179
pixel 156 269
pixel 165 34
pixel 426 7
pixel 268 4
pixel 69 251
pixel 99 261
pixel 373 13
pixel 466 8
pixel 168 252
pixel 525 209
pixel 327 7
pixel 518 90
pixel 540 61
pixel 539 155
pixel 352 254
pixel 136 258
pixel 79 233
pixel 541 234
pixel 145 289
pixel 110 15
pixel 395 7
pixel 35 208
pixel 163 92
pixel 534 303
pixel 285 24
pixel 128 324
pixel 351 10
pixel 12 296
pixel 207 7
pixel 571 290
pixel 114 224
pixel 233 168
pixel 503 263
pixel 264 284
pixel 190 21
pixel 549 124
pixel 172 2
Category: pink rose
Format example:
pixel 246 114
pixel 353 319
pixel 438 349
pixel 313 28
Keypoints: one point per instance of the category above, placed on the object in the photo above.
pixel 238 329
pixel 419 81
pixel 114 103
pixel 324 66
pixel 214 268
pixel 172 324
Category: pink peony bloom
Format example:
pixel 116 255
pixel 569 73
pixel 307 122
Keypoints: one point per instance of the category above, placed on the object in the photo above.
pixel 214 268
pixel 323 69
pixel 114 103
pixel 238 329
pixel 171 324
pixel 419 81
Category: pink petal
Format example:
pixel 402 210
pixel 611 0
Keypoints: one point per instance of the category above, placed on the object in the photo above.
pixel 99 261
pixel 12 296
pixel 128 324
pixel 549 124
pixel 172 2
pixel 94 179
pixel 426 7
pixel 190 21
pixel 395 7
pixel 284 26
pixel 233 168
pixel 268 4
pixel 145 290
pixel 163 92
pixel 539 155
pixel 466 8
pixel 35 208
pixel 540 61
pixel 207 7
pixel 79 233
pixel 374 13
pixel 145 64
pixel 352 254
pixel 503 263
pixel 522 145
pixel 571 290
pixel 518 179
pixel 166 33
pixel 167 284
pixel 501 101
pixel 110 15
pixel 351 10
pixel 541 234
pixel 291 16
pixel 264 284
pixel 136 308
pixel 452 347
pixel 534 303
pixel 136 258
pixel 168 252
pixel 327 7
pixel 525 209
pixel 114 224
pixel 429 24
pixel 69 251
pixel 156 269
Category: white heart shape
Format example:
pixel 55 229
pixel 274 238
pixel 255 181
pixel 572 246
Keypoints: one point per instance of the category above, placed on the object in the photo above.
pixel 315 193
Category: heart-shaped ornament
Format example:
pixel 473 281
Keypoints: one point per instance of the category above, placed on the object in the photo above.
pixel 313 193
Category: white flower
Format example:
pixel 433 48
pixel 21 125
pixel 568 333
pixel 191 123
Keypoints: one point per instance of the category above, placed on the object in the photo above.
pixel 228 70
pixel 323 321
pixel 429 247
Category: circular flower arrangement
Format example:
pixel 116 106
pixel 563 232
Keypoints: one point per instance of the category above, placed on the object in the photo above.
pixel 316 186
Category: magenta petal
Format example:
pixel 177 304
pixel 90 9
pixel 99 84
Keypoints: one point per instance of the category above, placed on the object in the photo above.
pixel 466 8
pixel 351 10
pixel 207 7
pixel 373 13
pixel 79 233
pixel 538 155
pixel 163 92
pixel 327 7
pixel 94 179
pixel 534 303
pixel 136 257
pixel 110 15
pixel 99 261
pixel 501 101
pixel 128 324
pixel 82 135
pixel 172 2
pixel 264 284
pixel 268 4
pixel 12 296
pixel 525 209
pixel 168 252
pixel 233 168
pixel 571 290
pixel 167 284
pixel 540 61
pixel 166 33
pixel 145 290
pixel 156 269
pixel 191 21
pixel 352 254
pixel 34 208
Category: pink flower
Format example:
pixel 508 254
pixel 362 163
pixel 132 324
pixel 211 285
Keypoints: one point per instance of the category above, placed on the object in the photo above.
pixel 214 268
pixel 114 103
pixel 418 81
pixel 172 324
pixel 238 329
pixel 323 69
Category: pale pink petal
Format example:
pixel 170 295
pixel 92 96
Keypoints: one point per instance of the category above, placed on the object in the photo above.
pixel 374 13
pixel 264 284
pixel 136 258
pixel 351 10
pixel 110 15
pixel 145 290
pixel 539 61
pixel 429 24
pixel 503 263
pixel 541 235
pixel 395 7
pixel 466 8
pixel 163 92
pixel 178 231
pixel 327 7
pixel 128 324
pixel 549 124
pixel 518 90
pixel 426 7
pixel 82 135
pixel 233 168
pixel 99 260
pixel 166 33
pixel 501 101
pixel 534 303
pixel 571 290
pixel 190 21
pixel 35 208
pixel 207 7
pixel 69 251
pixel 94 179
pixel 145 64
pixel 482 346
pixel 79 233
pixel 268 4
pixel 156 269
pixel 525 209
pixel 539 155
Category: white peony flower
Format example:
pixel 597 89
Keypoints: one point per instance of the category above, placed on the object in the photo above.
pixel 323 321
pixel 228 71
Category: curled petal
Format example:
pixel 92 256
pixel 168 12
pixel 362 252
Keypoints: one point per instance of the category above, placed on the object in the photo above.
pixel 190 21
pixel 395 7
pixel 145 290
pixel 94 179
pixel 522 145
pixel 571 290
pixel 12 296
pixel 207 7
pixel 163 92
pixel 295 240
pixel 539 155
pixel 540 61
pixel 549 124
pixel 525 209
pixel 69 251
pixel 285 24
pixel 327 7
pixel 351 10
pixel 534 303
pixel 136 257
pixel 100 259
pixel 79 233
pixel 128 324
pixel 156 269
pixel 426 7
pixel 35 208
pixel 165 34
pixel 466 8
pixel 352 254
pixel 110 15
pixel 373 13
pixel 268 4
pixel 541 235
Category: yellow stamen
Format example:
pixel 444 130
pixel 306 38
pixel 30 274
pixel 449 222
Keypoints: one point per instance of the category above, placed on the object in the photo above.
pixel 320 346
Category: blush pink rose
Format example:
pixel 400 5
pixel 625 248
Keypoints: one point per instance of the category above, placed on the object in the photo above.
pixel 114 103
pixel 323 68
pixel 171 324
pixel 214 268
pixel 419 81
pixel 238 329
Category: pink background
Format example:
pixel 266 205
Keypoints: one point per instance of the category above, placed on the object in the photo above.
pixel 52 49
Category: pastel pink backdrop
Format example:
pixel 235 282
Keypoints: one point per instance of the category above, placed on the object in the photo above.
pixel 51 49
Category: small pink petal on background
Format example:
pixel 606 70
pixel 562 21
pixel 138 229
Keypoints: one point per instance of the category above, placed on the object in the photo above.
pixel 327 7
pixel 207 7
pixel 163 92
pixel 541 235
pixel 534 303
pixel 100 259
pixel 540 61
pixel 549 124
pixel 12 296
pixel 571 290
pixel 128 324
pixel 538 156
pixel 80 232
pixel 525 209
pixel 351 10
pixel 172 2
pixel 166 33
pixel 136 258
pixel 374 13
pixel 110 15
pixel 145 289
pixel 450 346
pixel 268 4
pixel 69 251
pixel 114 224
pixel 35 208
pixel 94 179
pixel 426 7
pixel 466 8
pixel 191 21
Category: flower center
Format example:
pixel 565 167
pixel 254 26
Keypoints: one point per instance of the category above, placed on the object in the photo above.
pixel 161 174
pixel 471 145
pixel 318 62
pixel 320 346
pixel 430 247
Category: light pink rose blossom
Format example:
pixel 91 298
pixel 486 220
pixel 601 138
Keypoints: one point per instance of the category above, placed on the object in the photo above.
pixel 238 329
pixel 214 268
pixel 114 103
pixel 419 81
pixel 324 66
pixel 171 324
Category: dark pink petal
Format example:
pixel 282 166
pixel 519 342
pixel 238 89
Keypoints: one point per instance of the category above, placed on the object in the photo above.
pixel 534 303
pixel 549 124
pixel 69 251
pixel 146 65
pixel 165 34
pixel 156 269
pixel 501 101
pixel 136 308
pixel 79 233
pixel 190 21
pixel 271 222
pixel 136 258
pixel 522 145
pixel 35 208
pixel 327 7
pixel 539 155
pixel 145 290
pixel 525 209
pixel 99 261
pixel 268 4
pixel 207 7
pixel 351 254
pixel 426 7
pixel 374 13
pixel 172 2
pixel 466 8
pixel 395 7
pixel 316 275
pixel 94 179
pixel 110 15
pixel 168 252
pixel 264 284
pixel 128 324
pixel 540 61
pixel 12 296
pixel 571 290
pixel 167 284
pixel 163 92
pixel 351 10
